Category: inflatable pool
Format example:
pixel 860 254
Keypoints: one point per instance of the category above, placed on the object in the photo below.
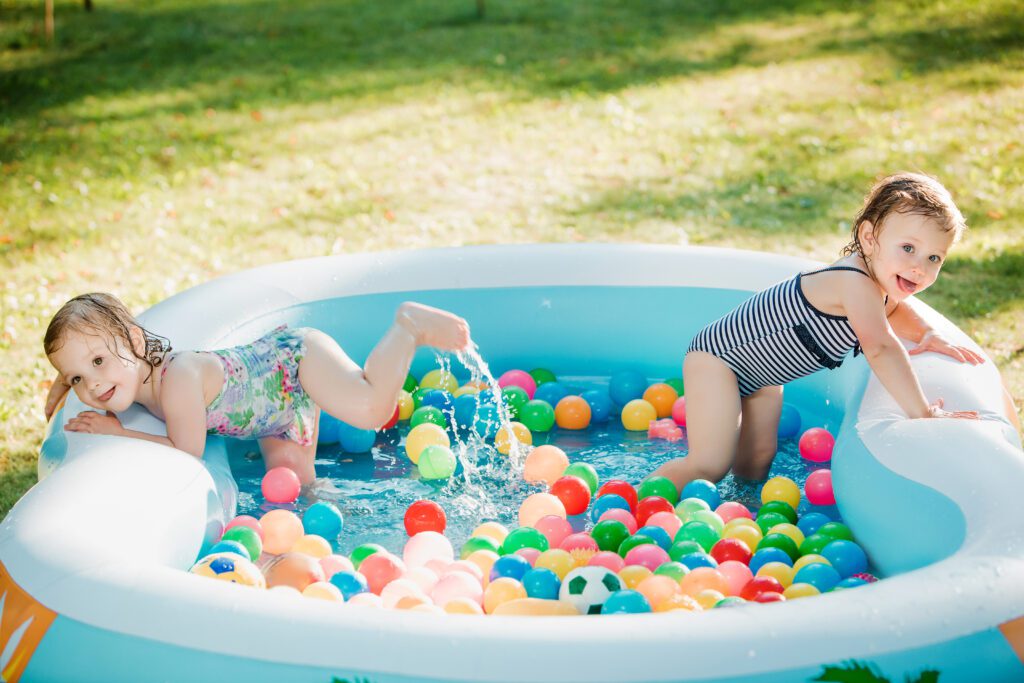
pixel 93 584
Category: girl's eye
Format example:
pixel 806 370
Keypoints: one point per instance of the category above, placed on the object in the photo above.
pixel 75 380
pixel 97 361
pixel 908 248
pixel 934 258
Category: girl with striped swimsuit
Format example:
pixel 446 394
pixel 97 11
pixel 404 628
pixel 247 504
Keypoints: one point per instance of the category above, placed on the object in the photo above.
pixel 735 367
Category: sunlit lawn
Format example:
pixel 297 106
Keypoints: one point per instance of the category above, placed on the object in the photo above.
pixel 157 145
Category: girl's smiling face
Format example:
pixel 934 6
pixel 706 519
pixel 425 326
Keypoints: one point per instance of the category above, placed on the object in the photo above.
pixel 905 253
pixel 101 369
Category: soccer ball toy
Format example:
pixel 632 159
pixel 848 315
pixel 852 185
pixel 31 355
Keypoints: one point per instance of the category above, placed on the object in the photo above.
pixel 587 588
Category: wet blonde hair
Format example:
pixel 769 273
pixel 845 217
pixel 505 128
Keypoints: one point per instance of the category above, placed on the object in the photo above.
pixel 104 313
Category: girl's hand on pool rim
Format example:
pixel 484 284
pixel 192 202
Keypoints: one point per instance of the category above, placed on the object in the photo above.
pixel 91 422
pixel 934 341
pixel 935 410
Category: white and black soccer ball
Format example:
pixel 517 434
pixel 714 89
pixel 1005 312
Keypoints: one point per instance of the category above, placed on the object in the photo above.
pixel 587 588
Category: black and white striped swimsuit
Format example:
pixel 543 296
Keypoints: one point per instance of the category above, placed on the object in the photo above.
pixel 777 336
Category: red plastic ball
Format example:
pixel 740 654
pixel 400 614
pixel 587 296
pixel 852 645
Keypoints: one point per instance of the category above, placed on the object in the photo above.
pixel 649 505
pixel 816 445
pixel 621 488
pixel 380 569
pixel 425 515
pixel 280 485
pixel 769 596
pixel 573 492
pixel 393 421
pixel 760 584
pixel 818 488
pixel 731 549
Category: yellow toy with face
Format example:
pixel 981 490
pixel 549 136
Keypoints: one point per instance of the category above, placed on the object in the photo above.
pixel 230 567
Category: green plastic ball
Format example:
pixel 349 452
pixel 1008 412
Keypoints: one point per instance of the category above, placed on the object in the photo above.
pixel 515 398
pixel 247 537
pixel 676 383
pixel 411 384
pixel 417 397
pixel 361 552
pixel 609 534
pixel 783 543
pixel 781 507
pixel 586 472
pixel 681 549
pixel 478 543
pixel 673 570
pixel 661 487
pixel 542 376
pixel 632 542
pixel 709 518
pixel 699 532
pixel 538 416
pixel 429 414
pixel 524 537
pixel 436 462
pixel 837 531
pixel 688 506
pixel 729 601
pixel 769 520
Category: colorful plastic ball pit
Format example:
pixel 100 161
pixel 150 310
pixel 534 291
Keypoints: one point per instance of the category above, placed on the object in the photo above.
pixel 816 445
pixel 323 518
pixel 293 569
pixel 465 409
pixel 428 415
pixel 659 486
pixel 733 549
pixel 424 435
pixel 380 569
pixel 524 537
pixel 280 485
pixel 584 471
pixel 837 531
pixel 656 534
pixel 778 507
pixel 651 505
pixel 634 541
pixel 248 537
pixel 537 506
pixel 620 515
pixel 846 557
pixel 572 412
pixel 626 601
pixel 487 420
pixel 515 397
pixel 514 431
pixel 609 534
pixel 573 492
pixel 425 546
pixel 424 515
pixel 520 379
pixel 821 576
pixel 700 533
pixel 621 488
pixel 406 405
pixel 647 555
pixel 541 583
pixel 361 552
pixel 539 416
pixel 436 462
pixel 559 561
pixel 637 415
pixel 760 584
pixel 600 405
pixel 688 507
pixel 281 528
pixel 810 522
pixel 545 464
pixel 818 488
pixel 513 566
pixel 766 555
pixel 662 397
pixel 781 489
pixel 501 591
pixel 554 528
pixel 626 386
pixel 703 489
pixel 666 521
pixel 349 582
pixel 551 392
pixel 440 399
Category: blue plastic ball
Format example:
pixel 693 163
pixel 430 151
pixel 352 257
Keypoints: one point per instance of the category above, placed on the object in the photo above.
pixel 626 602
pixel 600 404
pixel 355 440
pixel 846 557
pixel 694 560
pixel 819 575
pixel 330 428
pixel 811 522
pixel 789 422
pixel 512 566
pixel 656 534
pixel 487 420
pixel 552 392
pixel 850 582
pixel 626 386
pixel 323 519
pixel 230 547
pixel 350 583
pixel 603 504
pixel 440 399
pixel 766 555
pixel 703 489
pixel 465 410
pixel 540 583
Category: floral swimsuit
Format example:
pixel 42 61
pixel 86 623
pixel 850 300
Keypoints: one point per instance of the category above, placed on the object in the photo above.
pixel 261 395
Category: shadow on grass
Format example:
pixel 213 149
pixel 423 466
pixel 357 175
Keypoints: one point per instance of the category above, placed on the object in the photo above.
pixel 15 481
pixel 976 287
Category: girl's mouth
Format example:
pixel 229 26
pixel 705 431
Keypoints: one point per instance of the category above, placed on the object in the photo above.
pixel 906 285
pixel 107 396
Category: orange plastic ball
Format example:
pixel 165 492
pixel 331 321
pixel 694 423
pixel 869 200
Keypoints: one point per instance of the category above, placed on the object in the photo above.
pixel 281 529
pixel 701 579
pixel 519 431
pixel 500 591
pixel 540 505
pixel 312 545
pixel 293 569
pixel 657 589
pixel 462 606
pixel 545 464
pixel 680 603
pixel 572 412
pixel 662 397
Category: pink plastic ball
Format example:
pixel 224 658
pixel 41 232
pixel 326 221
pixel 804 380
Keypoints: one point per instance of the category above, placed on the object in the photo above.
pixel 731 510
pixel 737 574
pixel 554 528
pixel 816 445
pixel 332 564
pixel 380 569
pixel 457 585
pixel 466 567
pixel 608 560
pixel 818 488
pixel 648 555
pixel 246 520
pixel 426 546
pixel 679 411
pixel 280 485
pixel 529 554
pixel 669 521
pixel 425 578
pixel 580 541
pixel 518 378
pixel 620 515
pixel 281 528
pixel 537 506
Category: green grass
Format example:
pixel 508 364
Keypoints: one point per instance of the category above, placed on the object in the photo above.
pixel 157 145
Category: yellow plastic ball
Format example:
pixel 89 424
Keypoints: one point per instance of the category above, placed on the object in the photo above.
pixel 791 530
pixel 638 414
pixel 323 590
pixel 439 379
pixel 708 598
pixel 800 590
pixel 780 571
pixel 500 591
pixel 749 535
pixel 633 574
pixel 540 505
pixel 781 488
pixel 423 435
pixel 809 559
pixel 557 560
pixel 463 606
pixel 406 405
pixel 678 603
pixel 312 545
pixel 466 389
pixel 492 530
pixel 503 439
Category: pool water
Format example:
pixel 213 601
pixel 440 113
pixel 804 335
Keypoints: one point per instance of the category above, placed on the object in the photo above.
pixel 377 487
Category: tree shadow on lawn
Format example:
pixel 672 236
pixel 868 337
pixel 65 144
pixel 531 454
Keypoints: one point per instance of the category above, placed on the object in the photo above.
pixel 15 481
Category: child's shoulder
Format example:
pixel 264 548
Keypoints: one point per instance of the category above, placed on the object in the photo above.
pixel 184 365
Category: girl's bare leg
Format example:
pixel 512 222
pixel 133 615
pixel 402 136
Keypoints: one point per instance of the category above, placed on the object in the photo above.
pixel 759 433
pixel 278 452
pixel 712 421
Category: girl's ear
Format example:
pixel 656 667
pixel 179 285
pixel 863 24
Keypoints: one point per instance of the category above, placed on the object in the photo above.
pixel 138 340
pixel 866 237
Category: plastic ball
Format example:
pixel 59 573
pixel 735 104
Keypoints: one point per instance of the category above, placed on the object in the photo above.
pixel 293 569
pixel 814 544
pixel 524 537
pixel 437 462
pixel 559 561
pixel 790 530
pixel 789 422
pixel 778 507
pixel 800 590
pixel 704 578
pixel 737 575
pixel 607 559
pixel 324 519
pixel 600 405
pixel 280 485
pixel 626 386
pixel 538 416
pixel 542 376
pixel 361 552
pixel 584 471
pixel 703 489
pixel 816 445
pixel 850 582
pixel 410 385
pixel 572 412
pixel 248 537
pixel 620 515
pixel 656 534
pixel 545 464
pixel 821 576
pixel 587 588
pixel 486 420
pixel 659 486
pixel 781 489
pixel 658 589
pixel 662 397
pixel 699 532
pixel 695 560
pixel 515 398
pixel 424 515
pixel 424 435
pixel 666 521
pixel 731 510
pixel 332 564
pixel 679 411
pixel 246 521
pixel 810 522
pixel 580 545
pixel 650 505
pixel 405 405
pixel 464 411
pixel 483 560
pixel 440 399
pixel 677 384
pixel 230 546
pixel 281 528
pixel 672 569
pixel 501 591
pixel 782 542
pixel 456 586
pixel 428 415
pixel 621 488
pixel 626 601
pixel 439 379
pixel 322 590
pixel 355 440
pixel 476 543
pixel 463 606
pixel 648 555
pixel 539 505
pixel 637 415
pixel 551 392
pixel 513 431
pixel 520 379
pixel 554 528
pixel 809 559
pixel 780 571
pixel 231 568
pixel 728 549
pixel 393 420
pixel 818 488
pixel 493 530
pixel 632 575
pixel 749 534
pixel 426 546
pixel 846 557
pixel 573 492
pixel 328 428
pixel 366 599
pixel 466 390
pixel 688 507
pixel 312 545
pixel 837 531
pixel 349 582
pixel 512 566
pixel 380 569
pixel 758 585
